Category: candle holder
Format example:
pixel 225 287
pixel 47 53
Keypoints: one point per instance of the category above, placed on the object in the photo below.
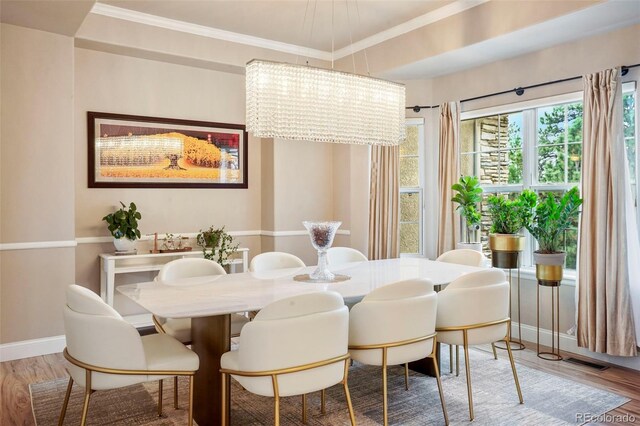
pixel 321 234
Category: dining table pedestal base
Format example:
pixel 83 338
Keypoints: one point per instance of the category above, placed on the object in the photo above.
pixel 210 338
pixel 425 365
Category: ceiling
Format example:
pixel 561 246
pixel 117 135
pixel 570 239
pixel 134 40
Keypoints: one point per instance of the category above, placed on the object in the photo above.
pixel 404 39
pixel 285 21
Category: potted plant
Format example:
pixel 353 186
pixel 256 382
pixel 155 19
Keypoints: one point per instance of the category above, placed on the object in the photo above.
pixel 552 216
pixel 217 245
pixel 123 225
pixel 508 217
pixel 469 194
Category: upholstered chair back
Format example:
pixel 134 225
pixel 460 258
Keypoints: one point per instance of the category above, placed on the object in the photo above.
pixel 463 257
pixel 475 298
pixel 274 260
pixel 97 335
pixel 337 256
pixel 397 312
pixel 189 268
pixel 292 332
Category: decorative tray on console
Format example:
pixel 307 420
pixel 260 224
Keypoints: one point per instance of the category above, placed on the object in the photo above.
pixel 178 250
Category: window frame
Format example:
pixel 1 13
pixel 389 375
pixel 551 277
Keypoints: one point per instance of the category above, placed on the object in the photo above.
pixel 530 150
pixel 419 122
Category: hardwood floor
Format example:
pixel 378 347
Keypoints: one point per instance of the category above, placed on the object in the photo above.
pixel 15 376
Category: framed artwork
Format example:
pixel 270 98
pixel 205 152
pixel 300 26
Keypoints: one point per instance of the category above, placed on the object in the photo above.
pixel 130 151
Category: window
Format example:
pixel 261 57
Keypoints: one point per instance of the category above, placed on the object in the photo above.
pixel 411 178
pixel 537 146
pixel 631 145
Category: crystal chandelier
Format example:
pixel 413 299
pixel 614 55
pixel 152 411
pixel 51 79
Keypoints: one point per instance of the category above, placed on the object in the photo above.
pixel 305 103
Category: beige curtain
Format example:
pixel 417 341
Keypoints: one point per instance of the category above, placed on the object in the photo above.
pixel 448 174
pixel 605 317
pixel 383 203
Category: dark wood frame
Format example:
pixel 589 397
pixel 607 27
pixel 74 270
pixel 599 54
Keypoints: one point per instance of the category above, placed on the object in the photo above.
pixel 92 116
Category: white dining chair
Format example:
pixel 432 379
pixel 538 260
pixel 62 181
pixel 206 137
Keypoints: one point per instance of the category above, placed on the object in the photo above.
pixel 470 258
pixel 337 256
pixel 463 257
pixel 106 352
pixel 395 325
pixel 474 310
pixel 180 328
pixel 273 260
pixel 293 346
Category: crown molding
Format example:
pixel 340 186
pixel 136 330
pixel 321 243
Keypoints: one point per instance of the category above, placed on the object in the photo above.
pixel 203 31
pixel 436 15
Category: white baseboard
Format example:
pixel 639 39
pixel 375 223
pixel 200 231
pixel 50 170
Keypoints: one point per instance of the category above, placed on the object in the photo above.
pixel 33 347
pixel 569 343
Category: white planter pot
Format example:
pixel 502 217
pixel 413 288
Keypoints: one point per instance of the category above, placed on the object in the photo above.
pixel 470 246
pixel 124 244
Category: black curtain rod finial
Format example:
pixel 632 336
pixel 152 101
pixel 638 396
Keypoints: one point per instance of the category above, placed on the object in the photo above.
pixel 624 70
pixel 416 108
pixel 519 91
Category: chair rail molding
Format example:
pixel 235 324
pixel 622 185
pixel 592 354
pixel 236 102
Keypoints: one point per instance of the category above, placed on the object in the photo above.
pixel 31 245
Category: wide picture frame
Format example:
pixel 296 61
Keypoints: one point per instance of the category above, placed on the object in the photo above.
pixel 131 151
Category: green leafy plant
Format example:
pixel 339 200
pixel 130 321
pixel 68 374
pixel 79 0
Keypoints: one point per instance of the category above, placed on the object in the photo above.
pixel 509 216
pixel 552 216
pixel 216 245
pixel 469 194
pixel 124 222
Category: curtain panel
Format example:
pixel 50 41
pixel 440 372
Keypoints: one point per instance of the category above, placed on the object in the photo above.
pixel 448 174
pixel 605 316
pixel 384 228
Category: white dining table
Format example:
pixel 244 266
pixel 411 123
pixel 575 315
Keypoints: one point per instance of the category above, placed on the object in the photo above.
pixel 210 300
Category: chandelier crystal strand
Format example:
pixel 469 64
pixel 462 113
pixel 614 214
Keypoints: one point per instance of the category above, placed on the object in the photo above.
pixel 305 103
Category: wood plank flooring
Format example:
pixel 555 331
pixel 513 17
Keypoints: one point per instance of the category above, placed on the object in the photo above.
pixel 15 377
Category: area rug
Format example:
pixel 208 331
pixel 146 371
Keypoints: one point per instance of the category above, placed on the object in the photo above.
pixel 549 400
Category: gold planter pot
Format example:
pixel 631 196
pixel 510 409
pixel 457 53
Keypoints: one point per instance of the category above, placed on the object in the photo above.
pixel 549 268
pixel 505 250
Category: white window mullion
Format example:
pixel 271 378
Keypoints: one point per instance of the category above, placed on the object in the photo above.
pixel 529 171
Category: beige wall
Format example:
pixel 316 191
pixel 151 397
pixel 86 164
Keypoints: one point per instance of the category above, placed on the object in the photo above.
pixel 121 84
pixel 36 163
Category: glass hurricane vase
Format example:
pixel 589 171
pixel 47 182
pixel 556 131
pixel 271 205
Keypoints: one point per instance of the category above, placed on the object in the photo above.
pixel 322 234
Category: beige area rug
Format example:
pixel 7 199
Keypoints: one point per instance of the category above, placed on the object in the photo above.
pixel 549 400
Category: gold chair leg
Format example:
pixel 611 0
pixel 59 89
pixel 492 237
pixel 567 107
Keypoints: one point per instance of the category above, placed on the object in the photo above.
pixel 352 416
pixel 304 409
pixel 66 402
pixel 175 393
pixel 493 347
pixel 276 401
pixel 467 367
pixel 406 376
pixel 451 359
pixel 444 407
pixel 384 386
pixel 323 404
pixel 191 399
pixel 513 365
pixel 160 398
pixel 457 360
pixel 87 395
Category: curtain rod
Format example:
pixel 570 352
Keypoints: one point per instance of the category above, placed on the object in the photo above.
pixel 518 90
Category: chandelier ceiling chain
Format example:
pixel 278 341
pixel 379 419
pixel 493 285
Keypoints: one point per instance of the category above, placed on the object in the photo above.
pixel 300 102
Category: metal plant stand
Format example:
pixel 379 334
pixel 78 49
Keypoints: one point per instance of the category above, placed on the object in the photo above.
pixel 554 355
pixel 516 344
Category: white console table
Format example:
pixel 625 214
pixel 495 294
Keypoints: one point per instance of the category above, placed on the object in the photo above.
pixel 112 265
